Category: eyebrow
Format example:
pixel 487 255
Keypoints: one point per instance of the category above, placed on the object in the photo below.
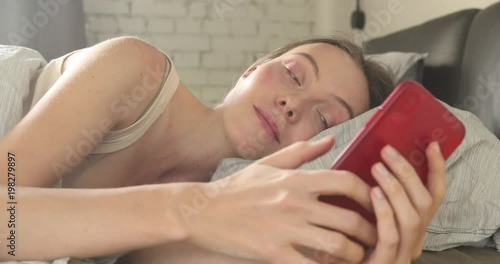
pixel 345 104
pixel 312 60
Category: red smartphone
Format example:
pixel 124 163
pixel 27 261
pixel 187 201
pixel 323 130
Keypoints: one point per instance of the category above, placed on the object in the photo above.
pixel 408 120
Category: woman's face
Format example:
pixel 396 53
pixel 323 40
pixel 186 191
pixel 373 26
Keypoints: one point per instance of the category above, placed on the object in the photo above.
pixel 292 98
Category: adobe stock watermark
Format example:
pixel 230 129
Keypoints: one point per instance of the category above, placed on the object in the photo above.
pixel 121 106
pixel 441 133
pixel 31 27
pixel 486 87
pixel 202 198
pixel 417 156
pixel 381 19
pixel 222 7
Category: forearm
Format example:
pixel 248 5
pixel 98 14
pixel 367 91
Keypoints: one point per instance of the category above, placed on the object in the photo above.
pixel 180 253
pixel 53 223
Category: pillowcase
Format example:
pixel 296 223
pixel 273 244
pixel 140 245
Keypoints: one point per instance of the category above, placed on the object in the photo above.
pixel 470 212
pixel 19 67
pixel 403 65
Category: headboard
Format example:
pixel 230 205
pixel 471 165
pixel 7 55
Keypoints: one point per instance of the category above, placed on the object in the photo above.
pixel 444 39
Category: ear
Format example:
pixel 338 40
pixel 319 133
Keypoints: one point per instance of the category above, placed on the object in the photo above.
pixel 248 72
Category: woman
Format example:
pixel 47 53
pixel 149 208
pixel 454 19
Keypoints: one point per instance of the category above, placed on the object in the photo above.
pixel 117 116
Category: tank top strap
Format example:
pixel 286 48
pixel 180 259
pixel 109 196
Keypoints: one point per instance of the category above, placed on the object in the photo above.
pixel 116 140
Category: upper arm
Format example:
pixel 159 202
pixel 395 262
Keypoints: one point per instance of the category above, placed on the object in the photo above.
pixel 77 111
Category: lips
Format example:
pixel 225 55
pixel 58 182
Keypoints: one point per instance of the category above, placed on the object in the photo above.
pixel 267 123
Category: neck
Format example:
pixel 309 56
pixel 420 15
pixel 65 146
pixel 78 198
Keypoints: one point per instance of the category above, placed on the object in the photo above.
pixel 192 143
pixel 202 147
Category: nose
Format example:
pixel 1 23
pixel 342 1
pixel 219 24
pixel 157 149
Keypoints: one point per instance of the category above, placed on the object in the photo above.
pixel 290 112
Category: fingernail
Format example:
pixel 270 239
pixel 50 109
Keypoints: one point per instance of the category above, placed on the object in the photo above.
pixel 436 147
pixel 378 193
pixel 391 152
pixel 381 169
pixel 323 140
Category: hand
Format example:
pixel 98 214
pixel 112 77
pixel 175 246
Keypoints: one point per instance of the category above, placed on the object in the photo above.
pixel 267 210
pixel 407 207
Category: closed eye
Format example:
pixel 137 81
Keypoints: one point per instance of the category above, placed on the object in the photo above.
pixel 294 77
pixel 323 119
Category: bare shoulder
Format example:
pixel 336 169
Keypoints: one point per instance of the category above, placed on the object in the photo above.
pixel 130 56
pixel 81 100
pixel 132 51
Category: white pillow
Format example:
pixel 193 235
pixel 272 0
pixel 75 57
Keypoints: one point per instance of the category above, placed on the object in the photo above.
pixel 19 67
pixel 470 212
pixel 402 65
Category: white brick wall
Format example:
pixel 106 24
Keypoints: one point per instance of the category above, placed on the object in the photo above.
pixel 210 41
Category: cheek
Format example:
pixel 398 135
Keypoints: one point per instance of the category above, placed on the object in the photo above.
pixel 265 77
pixel 259 81
pixel 302 133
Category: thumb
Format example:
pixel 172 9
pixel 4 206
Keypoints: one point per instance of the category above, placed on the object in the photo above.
pixel 298 153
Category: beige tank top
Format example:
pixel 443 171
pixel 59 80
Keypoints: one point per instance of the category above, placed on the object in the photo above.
pixel 116 139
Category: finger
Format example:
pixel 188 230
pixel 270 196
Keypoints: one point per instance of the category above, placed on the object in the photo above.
pixel 336 182
pixel 395 192
pixel 408 219
pixel 346 221
pixel 388 237
pixel 436 182
pixel 333 243
pixel 298 153
pixel 408 177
